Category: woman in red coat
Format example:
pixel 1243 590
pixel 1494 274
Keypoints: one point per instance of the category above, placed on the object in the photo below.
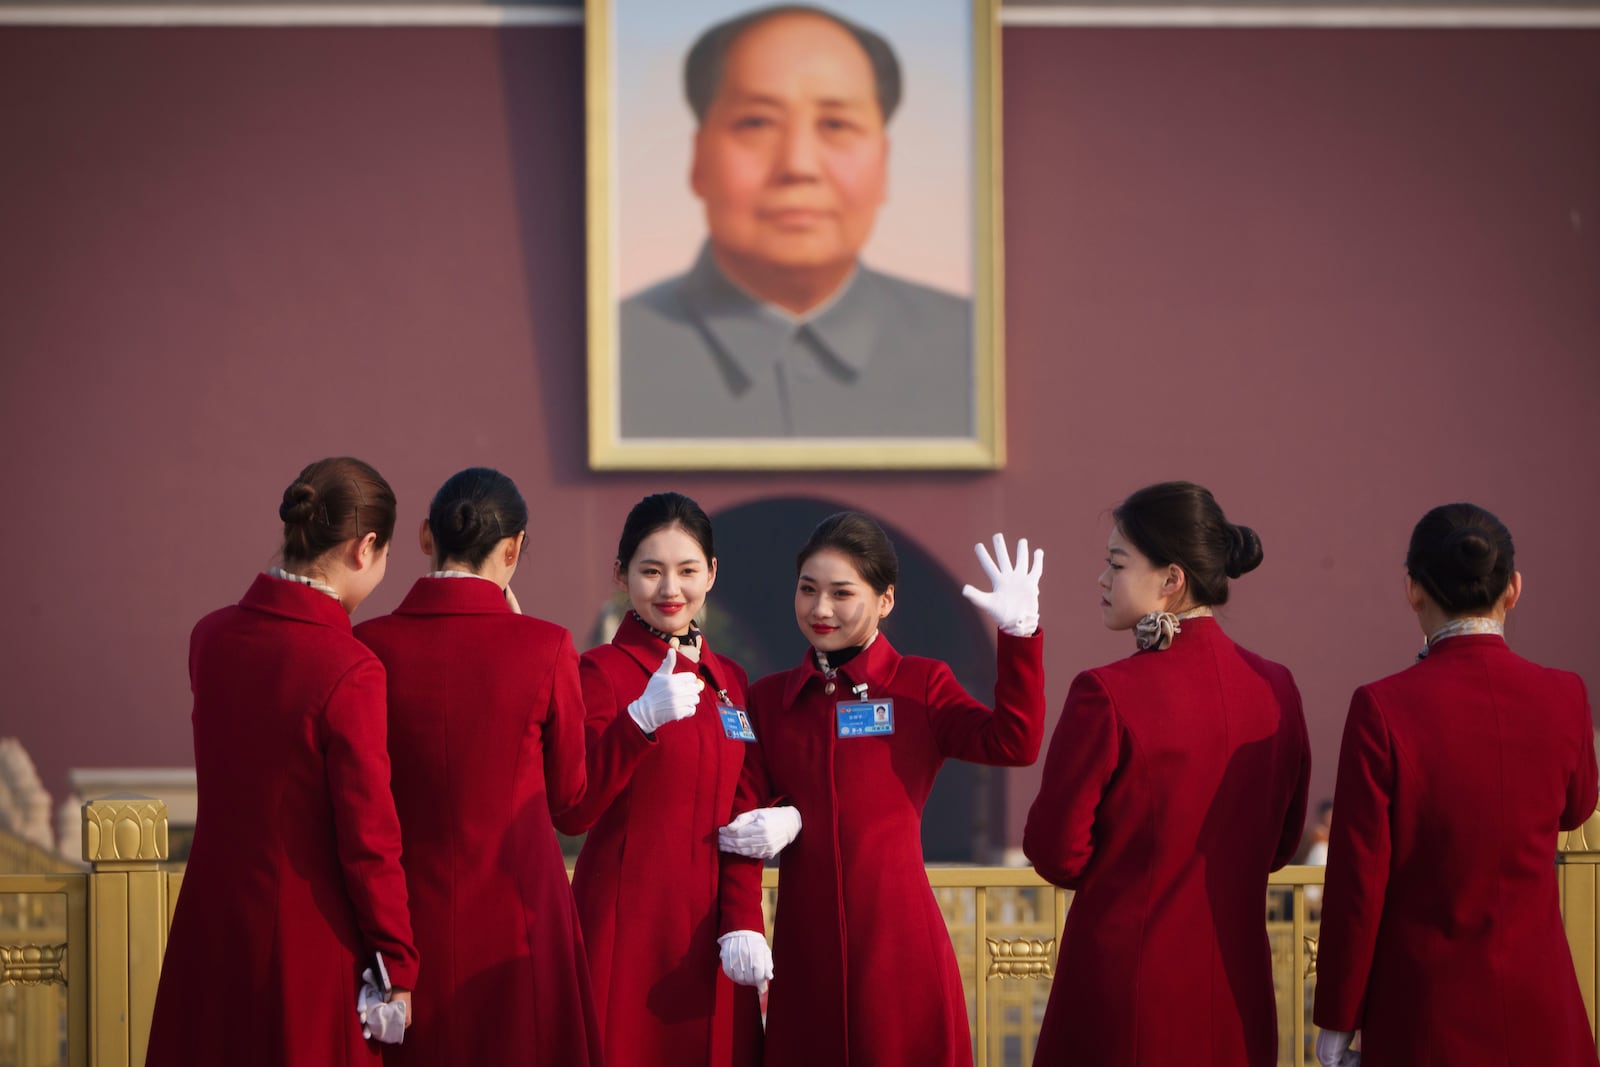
pixel 294 881
pixel 1175 781
pixel 486 742
pixel 1441 934
pixel 664 752
pixel 864 973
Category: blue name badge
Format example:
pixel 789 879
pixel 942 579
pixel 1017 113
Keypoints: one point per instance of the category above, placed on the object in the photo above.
pixel 735 723
pixel 867 718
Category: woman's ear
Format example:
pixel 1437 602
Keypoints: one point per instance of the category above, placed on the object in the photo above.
pixel 1175 583
pixel 886 603
pixel 619 576
pixel 366 551
pixel 514 549
pixel 425 539
pixel 1415 595
pixel 711 574
pixel 1513 593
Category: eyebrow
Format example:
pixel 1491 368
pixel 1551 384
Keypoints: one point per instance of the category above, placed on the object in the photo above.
pixel 663 563
pixel 1116 551
pixel 836 103
pixel 814 581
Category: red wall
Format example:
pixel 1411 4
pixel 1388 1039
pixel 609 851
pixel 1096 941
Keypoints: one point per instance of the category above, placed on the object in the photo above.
pixel 1339 276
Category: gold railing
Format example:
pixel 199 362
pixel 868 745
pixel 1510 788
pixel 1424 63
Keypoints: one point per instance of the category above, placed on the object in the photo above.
pixel 80 953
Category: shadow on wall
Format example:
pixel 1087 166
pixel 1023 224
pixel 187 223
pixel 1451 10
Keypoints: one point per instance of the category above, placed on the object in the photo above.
pixel 750 618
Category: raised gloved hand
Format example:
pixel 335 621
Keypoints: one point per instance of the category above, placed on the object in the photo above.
pixel 762 833
pixel 667 697
pixel 381 1019
pixel 1014 603
pixel 1333 1048
pixel 746 958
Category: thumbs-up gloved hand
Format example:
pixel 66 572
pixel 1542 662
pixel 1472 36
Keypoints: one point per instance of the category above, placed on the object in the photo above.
pixel 746 958
pixel 667 697
pixel 1014 603
pixel 762 833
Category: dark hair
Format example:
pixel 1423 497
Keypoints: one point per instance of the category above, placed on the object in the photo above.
pixel 658 511
pixel 472 512
pixel 1462 556
pixel 331 502
pixel 863 540
pixel 703 67
pixel 1182 523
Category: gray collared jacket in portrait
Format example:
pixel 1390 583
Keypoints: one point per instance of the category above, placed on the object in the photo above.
pixel 701 358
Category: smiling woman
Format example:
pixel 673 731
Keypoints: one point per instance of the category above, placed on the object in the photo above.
pixel 665 748
pixel 852 740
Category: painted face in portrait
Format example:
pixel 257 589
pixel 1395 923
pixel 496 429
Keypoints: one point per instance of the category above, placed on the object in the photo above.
pixel 791 160
pixel 834 605
pixel 668 579
pixel 1131 586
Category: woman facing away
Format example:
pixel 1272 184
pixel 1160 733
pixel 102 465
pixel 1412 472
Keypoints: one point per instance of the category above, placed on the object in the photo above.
pixel 1175 782
pixel 486 742
pixel 852 737
pixel 1442 940
pixel 665 747
pixel 294 885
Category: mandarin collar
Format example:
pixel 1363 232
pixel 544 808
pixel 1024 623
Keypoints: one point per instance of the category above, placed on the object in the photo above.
pixel 749 336
pixel 648 650
pixel 454 596
pixel 1460 643
pixel 295 600
pixel 876 666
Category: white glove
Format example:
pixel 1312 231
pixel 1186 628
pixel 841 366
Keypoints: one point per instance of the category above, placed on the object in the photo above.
pixel 1333 1048
pixel 746 958
pixel 1014 604
pixel 760 834
pixel 667 697
pixel 380 1020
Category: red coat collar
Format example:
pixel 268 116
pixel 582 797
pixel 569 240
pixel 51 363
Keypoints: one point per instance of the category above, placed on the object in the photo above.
pixel 292 600
pixel 454 596
pixel 648 650
pixel 876 666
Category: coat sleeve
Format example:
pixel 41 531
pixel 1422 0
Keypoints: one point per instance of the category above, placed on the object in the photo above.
pixel 1358 866
pixel 613 744
pixel 1294 820
pixel 367 831
pixel 1582 794
pixel 1085 751
pixel 565 770
pixel 740 876
pixel 1008 736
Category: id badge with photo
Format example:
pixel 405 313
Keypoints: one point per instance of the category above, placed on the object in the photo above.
pixel 866 718
pixel 735 723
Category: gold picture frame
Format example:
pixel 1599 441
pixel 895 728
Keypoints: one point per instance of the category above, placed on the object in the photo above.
pixel 614 444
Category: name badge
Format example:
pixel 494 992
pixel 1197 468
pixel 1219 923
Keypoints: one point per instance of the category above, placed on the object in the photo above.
pixel 867 718
pixel 735 723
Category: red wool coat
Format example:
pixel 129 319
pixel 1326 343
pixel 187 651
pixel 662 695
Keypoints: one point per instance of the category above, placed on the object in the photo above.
pixel 486 739
pixel 864 973
pixel 1441 924
pixel 1175 782
pixel 648 881
pixel 294 877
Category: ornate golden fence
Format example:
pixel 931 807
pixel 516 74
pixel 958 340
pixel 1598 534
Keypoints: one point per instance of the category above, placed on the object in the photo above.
pixel 80 952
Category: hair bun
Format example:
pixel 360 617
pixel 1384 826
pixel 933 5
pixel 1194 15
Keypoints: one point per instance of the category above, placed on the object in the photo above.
pixel 299 501
pixel 463 523
pixel 1471 553
pixel 1244 553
